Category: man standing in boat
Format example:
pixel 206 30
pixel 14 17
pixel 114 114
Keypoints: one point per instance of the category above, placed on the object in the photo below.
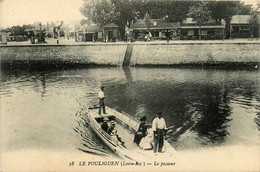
pixel 158 127
pixel 101 97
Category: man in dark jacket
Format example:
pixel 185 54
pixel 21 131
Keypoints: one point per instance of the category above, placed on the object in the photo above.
pixel 104 125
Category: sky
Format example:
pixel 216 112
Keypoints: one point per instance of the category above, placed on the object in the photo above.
pixel 19 12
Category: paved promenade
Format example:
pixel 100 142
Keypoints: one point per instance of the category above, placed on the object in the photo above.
pixel 62 41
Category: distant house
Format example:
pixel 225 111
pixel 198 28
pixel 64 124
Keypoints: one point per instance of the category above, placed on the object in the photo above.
pixel 190 30
pixel 3 36
pixel 240 27
pixel 111 32
pixel 156 28
pixel 90 32
pixel 162 29
pixel 33 34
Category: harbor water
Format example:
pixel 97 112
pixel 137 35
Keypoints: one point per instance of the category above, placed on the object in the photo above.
pixel 41 111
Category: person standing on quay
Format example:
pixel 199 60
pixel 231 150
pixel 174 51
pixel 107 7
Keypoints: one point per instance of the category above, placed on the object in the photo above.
pixel 101 97
pixel 158 127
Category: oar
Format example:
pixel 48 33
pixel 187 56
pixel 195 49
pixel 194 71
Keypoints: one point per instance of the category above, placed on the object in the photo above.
pixel 172 129
pixel 180 130
pixel 92 151
pixel 169 129
pixel 95 148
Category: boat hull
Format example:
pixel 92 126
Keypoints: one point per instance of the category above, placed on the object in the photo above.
pixel 127 126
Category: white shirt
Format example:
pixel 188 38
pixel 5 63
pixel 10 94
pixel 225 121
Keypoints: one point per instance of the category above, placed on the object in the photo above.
pixel 158 124
pixel 101 94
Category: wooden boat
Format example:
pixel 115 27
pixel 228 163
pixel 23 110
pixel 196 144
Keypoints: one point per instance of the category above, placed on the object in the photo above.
pixel 126 127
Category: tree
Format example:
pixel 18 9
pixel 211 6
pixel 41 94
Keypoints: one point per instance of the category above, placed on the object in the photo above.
pixel 147 21
pixel 126 10
pixel 254 23
pixel 19 30
pixel 84 21
pixel 243 9
pixel 101 12
pixel 200 13
pixel 141 8
pixel 225 10
pixel 177 11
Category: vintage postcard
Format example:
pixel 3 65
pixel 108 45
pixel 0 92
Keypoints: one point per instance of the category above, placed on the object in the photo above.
pixel 129 85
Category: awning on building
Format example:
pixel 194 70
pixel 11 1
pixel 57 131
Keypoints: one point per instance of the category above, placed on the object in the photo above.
pixel 240 19
pixel 204 27
pixel 29 30
pixel 110 25
pixel 155 24
pixel 87 29
pixel 156 28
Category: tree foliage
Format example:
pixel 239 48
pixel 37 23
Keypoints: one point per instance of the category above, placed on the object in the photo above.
pixel 200 13
pixel 126 9
pixel 19 30
pixel 226 9
pixel 243 9
pixel 174 11
pixel 147 20
pixel 101 12
pixel 177 11
pixel 125 12
pixel 254 22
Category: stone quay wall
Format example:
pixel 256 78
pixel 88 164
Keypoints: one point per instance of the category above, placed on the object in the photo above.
pixel 112 55
pixel 174 54
pixel 142 54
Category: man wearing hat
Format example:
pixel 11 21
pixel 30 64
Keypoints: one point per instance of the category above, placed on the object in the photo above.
pixel 101 97
pixel 158 127
pixel 112 127
pixel 113 132
pixel 104 125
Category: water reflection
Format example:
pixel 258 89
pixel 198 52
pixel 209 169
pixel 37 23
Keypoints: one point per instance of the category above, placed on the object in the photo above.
pixel 89 142
pixel 208 105
pixel 215 111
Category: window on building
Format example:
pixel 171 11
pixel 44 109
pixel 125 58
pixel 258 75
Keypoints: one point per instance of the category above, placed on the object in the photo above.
pixel 184 32
pixel 204 32
pixel 211 32
pixel 235 29
pixel 156 33
pixel 190 32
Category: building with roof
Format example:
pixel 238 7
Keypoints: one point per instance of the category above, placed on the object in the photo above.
pixel 240 27
pixel 90 32
pixel 162 29
pixel 3 36
pixel 190 30
pixel 156 29
pixel 111 32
